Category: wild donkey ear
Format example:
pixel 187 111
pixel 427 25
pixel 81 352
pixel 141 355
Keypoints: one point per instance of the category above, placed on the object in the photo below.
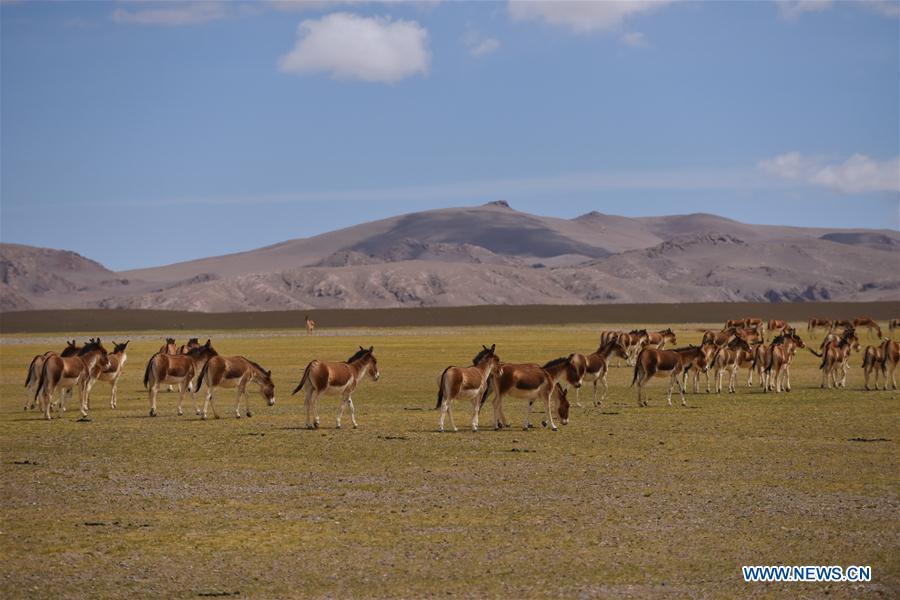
pixel 269 373
pixel 493 346
pixel 371 348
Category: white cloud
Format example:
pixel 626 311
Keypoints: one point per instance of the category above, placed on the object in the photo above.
pixel 173 13
pixel 321 5
pixel 888 8
pixel 857 174
pixel 635 39
pixel 791 9
pixel 349 46
pixel 477 43
pixel 582 16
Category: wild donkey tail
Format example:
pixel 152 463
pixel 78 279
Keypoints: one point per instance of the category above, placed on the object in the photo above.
pixel 42 381
pixel 303 379
pixel 147 372
pixel 440 396
pixel 30 370
pixel 202 375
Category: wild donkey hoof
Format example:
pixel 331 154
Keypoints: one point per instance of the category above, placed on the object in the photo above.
pixel 249 414
pixel 338 426
pixel 152 412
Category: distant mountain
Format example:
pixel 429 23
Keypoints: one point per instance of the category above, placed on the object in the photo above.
pixel 490 254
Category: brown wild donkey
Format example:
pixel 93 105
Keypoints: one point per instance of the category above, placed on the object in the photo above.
pixel 873 362
pixel 234 372
pixel 111 374
pixel 342 378
pixel 818 323
pixel 34 370
pixel 651 361
pixel 176 369
pixel 62 373
pixel 779 356
pixel 890 351
pixel 530 381
pixel 596 366
pixel 870 324
pixel 729 359
pixel 836 359
pixel 467 383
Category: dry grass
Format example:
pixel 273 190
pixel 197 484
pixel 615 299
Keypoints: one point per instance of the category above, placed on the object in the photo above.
pixel 621 502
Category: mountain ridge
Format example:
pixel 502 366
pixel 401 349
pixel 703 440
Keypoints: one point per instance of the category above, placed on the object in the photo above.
pixel 487 254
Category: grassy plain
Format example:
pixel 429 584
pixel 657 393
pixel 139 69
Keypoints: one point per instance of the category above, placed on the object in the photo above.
pixel 622 502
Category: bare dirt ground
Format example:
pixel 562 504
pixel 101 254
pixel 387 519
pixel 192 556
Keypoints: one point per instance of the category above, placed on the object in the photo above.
pixel 622 502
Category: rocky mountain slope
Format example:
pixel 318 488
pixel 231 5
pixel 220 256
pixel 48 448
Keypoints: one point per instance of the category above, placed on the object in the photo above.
pixel 489 254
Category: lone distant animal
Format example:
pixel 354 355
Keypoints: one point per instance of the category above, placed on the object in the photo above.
pixel 310 325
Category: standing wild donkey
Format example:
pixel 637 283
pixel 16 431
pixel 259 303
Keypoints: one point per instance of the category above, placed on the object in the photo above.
pixel 467 382
pixel 111 374
pixel 176 369
pixel 342 378
pixel 37 363
pixel 68 373
pixel 651 361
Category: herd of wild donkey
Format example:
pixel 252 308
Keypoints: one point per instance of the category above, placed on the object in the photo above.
pixel 740 344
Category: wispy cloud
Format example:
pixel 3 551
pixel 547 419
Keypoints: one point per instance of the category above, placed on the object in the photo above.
pixel 857 174
pixel 581 16
pixel 792 9
pixel 172 14
pixel 349 46
pixel 477 43
pixel 635 39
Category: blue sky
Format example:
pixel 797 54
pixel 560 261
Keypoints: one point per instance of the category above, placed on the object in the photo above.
pixel 140 134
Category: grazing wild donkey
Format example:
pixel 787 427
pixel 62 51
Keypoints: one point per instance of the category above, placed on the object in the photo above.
pixel 651 361
pixel 37 363
pixel 531 382
pixel 234 372
pixel 67 373
pixel 310 325
pixel 111 374
pixel 467 383
pixel 870 324
pixel 176 369
pixel 817 323
pixel 331 378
